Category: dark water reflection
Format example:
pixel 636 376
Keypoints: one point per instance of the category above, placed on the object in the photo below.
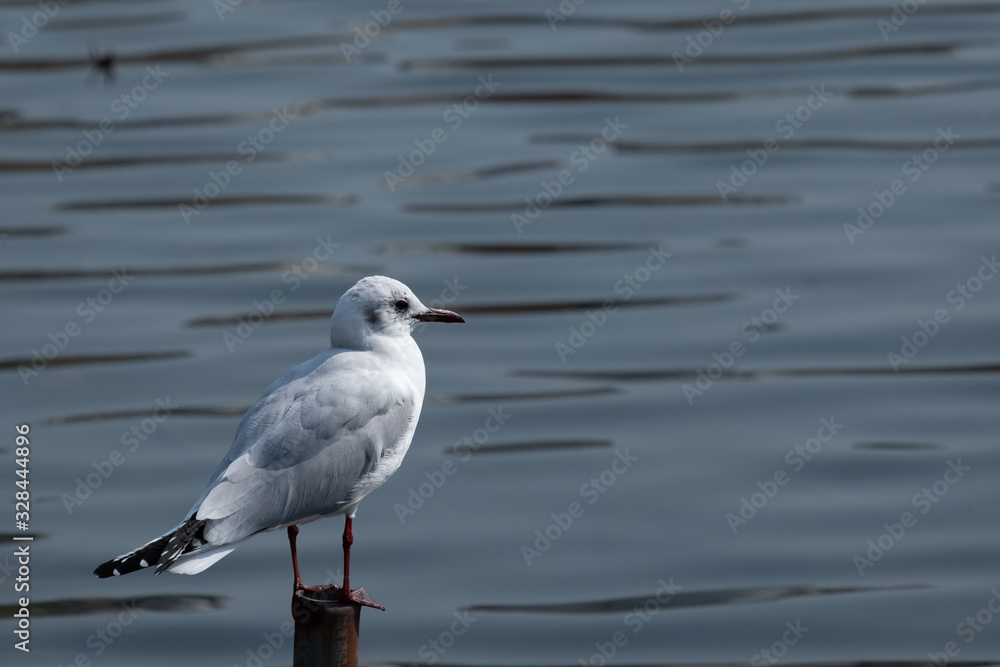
pixel 173 603
pixel 681 600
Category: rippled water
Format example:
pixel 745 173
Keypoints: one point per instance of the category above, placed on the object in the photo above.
pixel 728 274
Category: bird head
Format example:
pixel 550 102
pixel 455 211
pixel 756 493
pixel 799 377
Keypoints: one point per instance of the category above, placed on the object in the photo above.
pixel 380 306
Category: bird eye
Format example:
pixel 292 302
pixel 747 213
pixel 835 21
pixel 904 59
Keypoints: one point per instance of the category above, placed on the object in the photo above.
pixel 402 305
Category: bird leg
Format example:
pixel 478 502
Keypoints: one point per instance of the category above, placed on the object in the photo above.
pixel 358 596
pixel 346 594
pixel 293 532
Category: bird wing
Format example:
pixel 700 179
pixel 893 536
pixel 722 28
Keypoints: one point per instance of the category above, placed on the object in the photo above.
pixel 302 449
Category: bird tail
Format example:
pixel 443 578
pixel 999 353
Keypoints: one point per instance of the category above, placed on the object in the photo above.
pixel 161 552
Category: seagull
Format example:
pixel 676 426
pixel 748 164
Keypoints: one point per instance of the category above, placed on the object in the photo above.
pixel 322 437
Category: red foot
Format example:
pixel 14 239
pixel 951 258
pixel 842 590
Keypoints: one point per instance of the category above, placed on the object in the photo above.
pixel 359 596
pixel 299 586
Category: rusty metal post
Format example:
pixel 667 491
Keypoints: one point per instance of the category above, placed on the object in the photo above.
pixel 326 629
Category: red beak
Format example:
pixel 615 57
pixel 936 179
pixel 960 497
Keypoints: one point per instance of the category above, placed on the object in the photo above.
pixel 439 315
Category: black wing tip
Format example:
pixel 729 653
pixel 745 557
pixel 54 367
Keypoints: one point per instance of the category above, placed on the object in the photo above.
pixel 109 569
pixel 145 556
pixel 188 537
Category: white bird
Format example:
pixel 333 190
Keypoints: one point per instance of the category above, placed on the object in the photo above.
pixel 322 437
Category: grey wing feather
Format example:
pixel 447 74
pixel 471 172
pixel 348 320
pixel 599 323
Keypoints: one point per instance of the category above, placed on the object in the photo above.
pixel 302 449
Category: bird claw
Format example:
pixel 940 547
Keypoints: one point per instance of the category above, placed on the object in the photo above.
pixel 299 586
pixel 361 597
pixel 357 596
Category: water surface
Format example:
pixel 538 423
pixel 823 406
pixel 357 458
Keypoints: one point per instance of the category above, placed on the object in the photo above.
pixel 728 275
